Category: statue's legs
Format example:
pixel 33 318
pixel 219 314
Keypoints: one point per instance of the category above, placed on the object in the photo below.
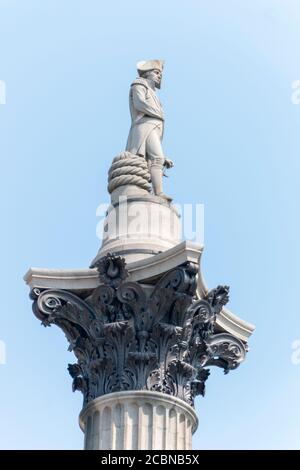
pixel 156 159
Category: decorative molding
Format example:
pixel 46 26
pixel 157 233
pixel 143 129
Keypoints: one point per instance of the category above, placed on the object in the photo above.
pixel 86 280
pixel 111 269
pixel 124 339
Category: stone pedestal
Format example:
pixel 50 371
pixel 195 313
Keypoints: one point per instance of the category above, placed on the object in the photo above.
pixel 139 226
pixel 138 420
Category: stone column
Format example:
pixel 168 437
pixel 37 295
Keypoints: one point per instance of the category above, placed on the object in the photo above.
pixel 138 420
pixel 142 351
pixel 142 332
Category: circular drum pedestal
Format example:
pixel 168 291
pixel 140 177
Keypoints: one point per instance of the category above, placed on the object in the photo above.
pixel 138 420
pixel 139 226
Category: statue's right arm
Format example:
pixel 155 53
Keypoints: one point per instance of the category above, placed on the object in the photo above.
pixel 141 103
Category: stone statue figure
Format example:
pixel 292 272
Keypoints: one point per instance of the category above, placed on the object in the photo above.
pixel 146 132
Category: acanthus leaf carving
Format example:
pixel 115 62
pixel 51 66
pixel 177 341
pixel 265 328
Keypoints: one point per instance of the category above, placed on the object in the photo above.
pixel 124 339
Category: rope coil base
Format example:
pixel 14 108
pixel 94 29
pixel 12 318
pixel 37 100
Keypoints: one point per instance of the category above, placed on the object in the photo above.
pixel 128 169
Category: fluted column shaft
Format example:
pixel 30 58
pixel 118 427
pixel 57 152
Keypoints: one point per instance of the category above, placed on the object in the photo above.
pixel 138 420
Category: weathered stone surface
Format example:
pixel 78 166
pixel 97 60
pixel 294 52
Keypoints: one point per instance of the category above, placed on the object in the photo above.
pixel 147 123
pixel 144 329
pixel 125 339
pixel 139 227
pixel 146 271
pixel 139 420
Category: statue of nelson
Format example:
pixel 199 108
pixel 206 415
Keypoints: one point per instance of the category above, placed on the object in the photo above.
pixel 146 132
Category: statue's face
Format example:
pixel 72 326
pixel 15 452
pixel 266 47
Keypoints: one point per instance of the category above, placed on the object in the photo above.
pixel 155 75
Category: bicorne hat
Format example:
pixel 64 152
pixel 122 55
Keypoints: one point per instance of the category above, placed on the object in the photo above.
pixel 146 65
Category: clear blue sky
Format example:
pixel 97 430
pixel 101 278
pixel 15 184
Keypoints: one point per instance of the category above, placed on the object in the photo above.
pixel 233 133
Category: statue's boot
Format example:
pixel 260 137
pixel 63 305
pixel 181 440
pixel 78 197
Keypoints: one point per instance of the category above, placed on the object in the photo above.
pixel 156 172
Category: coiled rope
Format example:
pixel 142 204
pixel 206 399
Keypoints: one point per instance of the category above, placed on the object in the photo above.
pixel 126 169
